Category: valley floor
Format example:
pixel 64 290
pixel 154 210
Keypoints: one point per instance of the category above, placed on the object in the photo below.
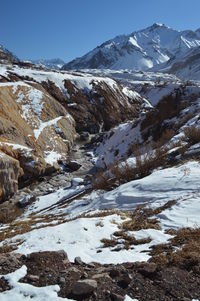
pixel 154 220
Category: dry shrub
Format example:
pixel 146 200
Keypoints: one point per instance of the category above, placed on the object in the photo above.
pixel 102 181
pixel 118 174
pixel 123 241
pixel 6 248
pixel 182 251
pixel 166 136
pixel 146 163
pixel 192 134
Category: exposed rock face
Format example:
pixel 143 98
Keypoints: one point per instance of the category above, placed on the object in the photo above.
pixel 10 171
pixel 95 102
pixel 105 106
pixel 102 107
pixel 35 130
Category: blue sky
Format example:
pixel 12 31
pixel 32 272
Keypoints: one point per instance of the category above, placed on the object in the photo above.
pixel 70 28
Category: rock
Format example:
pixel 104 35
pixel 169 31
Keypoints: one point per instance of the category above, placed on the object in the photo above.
pixel 99 276
pixel 84 136
pixel 72 270
pixel 84 287
pixel 124 281
pixel 76 182
pixel 114 273
pixel 148 269
pixel 116 297
pixel 63 254
pixel 27 200
pixel 101 270
pixel 91 265
pixel 73 165
pixel 62 280
pixel 84 276
pixel 78 261
pixel 33 278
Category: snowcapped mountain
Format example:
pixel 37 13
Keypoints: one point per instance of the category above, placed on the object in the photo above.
pixel 140 50
pixel 187 67
pixel 51 63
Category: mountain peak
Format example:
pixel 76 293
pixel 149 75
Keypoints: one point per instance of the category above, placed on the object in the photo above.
pixel 157 24
pixel 140 50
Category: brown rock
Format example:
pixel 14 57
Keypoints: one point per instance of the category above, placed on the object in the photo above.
pixel 78 261
pixel 148 269
pixel 116 297
pixel 124 281
pixel 84 287
pixel 73 165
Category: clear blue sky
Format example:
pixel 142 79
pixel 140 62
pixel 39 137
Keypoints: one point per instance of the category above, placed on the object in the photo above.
pixel 70 28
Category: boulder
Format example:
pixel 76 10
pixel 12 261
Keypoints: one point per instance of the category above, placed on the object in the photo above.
pixel 78 261
pixel 84 287
pixel 73 165
pixel 124 280
pixel 148 269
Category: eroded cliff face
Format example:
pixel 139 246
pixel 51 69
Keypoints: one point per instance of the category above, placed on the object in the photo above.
pixel 10 171
pixel 35 130
pixel 95 102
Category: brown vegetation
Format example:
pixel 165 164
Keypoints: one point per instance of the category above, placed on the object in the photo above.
pixel 182 251
pixel 192 134
pixel 118 174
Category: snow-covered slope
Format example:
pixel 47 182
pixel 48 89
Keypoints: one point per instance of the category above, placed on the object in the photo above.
pixel 187 67
pixel 140 50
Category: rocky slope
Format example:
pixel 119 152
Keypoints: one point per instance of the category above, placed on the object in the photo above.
pixel 79 281
pixel 188 67
pixel 42 110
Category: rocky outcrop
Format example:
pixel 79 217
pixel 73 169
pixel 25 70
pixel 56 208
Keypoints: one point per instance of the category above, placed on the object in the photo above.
pixel 35 130
pixel 95 102
pixel 102 106
pixel 10 171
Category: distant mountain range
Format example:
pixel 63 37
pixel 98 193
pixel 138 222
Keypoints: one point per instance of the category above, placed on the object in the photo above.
pixel 157 47
pixel 8 57
pixel 51 63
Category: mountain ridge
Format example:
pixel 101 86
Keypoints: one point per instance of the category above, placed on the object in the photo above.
pixel 55 63
pixel 141 50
